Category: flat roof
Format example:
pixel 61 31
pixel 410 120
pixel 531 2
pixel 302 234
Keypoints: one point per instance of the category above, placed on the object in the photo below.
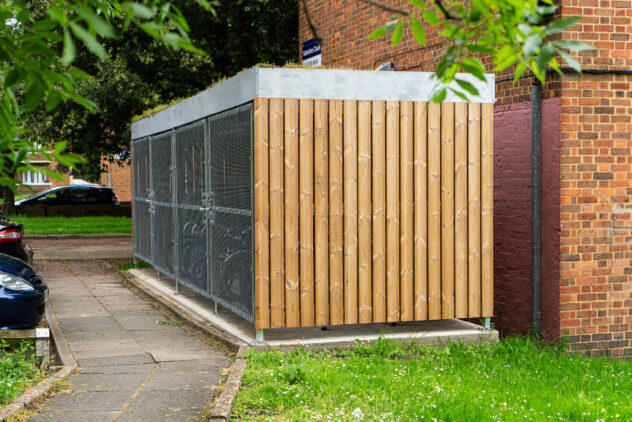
pixel 327 84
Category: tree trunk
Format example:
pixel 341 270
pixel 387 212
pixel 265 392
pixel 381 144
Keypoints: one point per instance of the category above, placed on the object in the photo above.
pixel 8 201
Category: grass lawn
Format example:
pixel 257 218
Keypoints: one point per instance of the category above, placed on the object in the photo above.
pixel 18 370
pixel 516 379
pixel 74 225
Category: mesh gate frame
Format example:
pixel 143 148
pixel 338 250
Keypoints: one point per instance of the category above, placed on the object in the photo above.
pixel 177 209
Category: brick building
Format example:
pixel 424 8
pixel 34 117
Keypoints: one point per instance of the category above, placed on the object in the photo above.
pixel 117 174
pixel 37 181
pixel 586 172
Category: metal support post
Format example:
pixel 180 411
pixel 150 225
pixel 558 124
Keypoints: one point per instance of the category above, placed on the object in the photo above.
pixel 259 339
pixel 487 323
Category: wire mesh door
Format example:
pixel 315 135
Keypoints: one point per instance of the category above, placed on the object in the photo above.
pixel 230 210
pixel 141 193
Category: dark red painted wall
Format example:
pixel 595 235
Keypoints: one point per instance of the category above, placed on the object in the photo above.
pixel 512 216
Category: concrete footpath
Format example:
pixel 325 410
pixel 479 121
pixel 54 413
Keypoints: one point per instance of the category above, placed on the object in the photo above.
pixel 134 363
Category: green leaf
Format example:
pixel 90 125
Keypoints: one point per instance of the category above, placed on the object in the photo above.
pixel 60 147
pixel 561 25
pixel 44 25
pixel 439 96
pixel 418 31
pixel 34 95
pixel 69 49
pixel 546 53
pixel 95 22
pixel 52 100
pixel 532 44
pixel 474 67
pixel 141 11
pixel 89 40
pixel 460 95
pixel 574 45
pixel 431 17
pixel 14 75
pixel 398 33
pixel 418 3
pixel 570 61
pixel 520 69
pixel 57 14
pixel 467 86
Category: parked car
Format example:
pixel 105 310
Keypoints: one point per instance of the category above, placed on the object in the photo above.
pixel 70 195
pixel 23 294
pixel 11 242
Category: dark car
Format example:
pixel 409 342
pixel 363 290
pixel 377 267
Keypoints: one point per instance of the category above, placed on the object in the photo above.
pixel 11 242
pixel 23 295
pixel 70 195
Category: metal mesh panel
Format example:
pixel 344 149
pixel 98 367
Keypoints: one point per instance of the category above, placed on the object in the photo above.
pixel 161 167
pixel 231 263
pixel 140 168
pixel 231 229
pixel 163 249
pixel 142 230
pixel 190 168
pixel 230 157
pixel 192 250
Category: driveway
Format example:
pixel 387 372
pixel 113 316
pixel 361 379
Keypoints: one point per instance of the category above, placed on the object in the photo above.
pixel 135 363
pixel 81 247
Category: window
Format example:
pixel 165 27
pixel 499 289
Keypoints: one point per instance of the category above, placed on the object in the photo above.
pixel 34 177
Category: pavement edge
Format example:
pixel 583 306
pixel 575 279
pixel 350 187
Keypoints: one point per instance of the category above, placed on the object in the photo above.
pixel 41 390
pixel 224 404
pixel 231 343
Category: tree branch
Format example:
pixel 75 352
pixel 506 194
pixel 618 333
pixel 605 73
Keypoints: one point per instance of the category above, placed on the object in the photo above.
pixel 445 11
pixel 385 7
pixel 312 27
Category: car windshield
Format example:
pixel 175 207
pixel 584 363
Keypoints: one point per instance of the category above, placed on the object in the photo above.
pixel 38 194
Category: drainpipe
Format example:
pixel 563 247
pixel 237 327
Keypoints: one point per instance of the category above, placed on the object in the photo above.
pixel 536 257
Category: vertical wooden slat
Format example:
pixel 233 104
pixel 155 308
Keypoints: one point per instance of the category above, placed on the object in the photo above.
pixel 447 210
pixel 407 230
pixel 487 205
pixel 392 211
pixel 365 294
pixel 474 209
pixel 321 200
pixel 350 211
pixel 262 238
pixel 306 214
pixel 421 211
pixel 460 210
pixel 379 212
pixel 335 213
pixel 292 315
pixel 434 210
pixel 277 270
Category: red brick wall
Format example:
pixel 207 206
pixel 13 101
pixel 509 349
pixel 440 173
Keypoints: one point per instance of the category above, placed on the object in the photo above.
pixel 119 177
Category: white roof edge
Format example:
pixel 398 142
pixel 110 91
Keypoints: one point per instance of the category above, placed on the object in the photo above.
pixel 307 83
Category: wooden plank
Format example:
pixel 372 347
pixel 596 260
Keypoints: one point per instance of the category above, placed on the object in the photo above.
pixel 447 210
pixel 487 206
pixel 392 211
pixel 434 211
pixel 407 230
pixel 379 212
pixel 321 215
pixel 291 255
pixel 365 294
pixel 460 210
pixel 350 211
pixel 306 213
pixel 421 211
pixel 277 269
pixel 335 214
pixel 474 209
pixel 262 237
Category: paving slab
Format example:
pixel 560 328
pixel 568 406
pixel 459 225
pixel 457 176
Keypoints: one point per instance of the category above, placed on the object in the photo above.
pixel 121 351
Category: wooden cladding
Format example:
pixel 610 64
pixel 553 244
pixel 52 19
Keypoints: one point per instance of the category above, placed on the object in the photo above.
pixel 371 211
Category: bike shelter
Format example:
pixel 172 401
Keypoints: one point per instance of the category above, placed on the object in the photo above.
pixel 315 197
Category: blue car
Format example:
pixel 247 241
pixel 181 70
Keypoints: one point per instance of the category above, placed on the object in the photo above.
pixel 23 294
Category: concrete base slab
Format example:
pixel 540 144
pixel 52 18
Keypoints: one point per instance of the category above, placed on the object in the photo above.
pixel 62 416
pixel 342 336
pixel 106 382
